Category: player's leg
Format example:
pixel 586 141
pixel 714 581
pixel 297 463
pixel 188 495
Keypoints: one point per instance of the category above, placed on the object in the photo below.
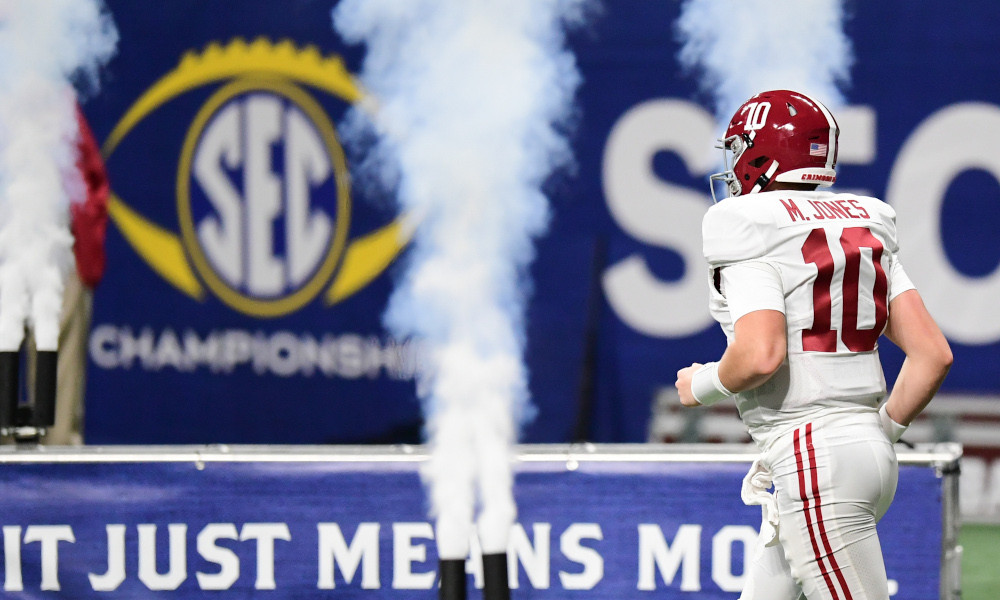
pixel 770 577
pixel 830 489
pixel 858 537
pixel 71 369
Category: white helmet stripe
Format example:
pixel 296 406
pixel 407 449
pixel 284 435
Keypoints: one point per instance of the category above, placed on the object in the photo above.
pixel 831 150
pixel 769 175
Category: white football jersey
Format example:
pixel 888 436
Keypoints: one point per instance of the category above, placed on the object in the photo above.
pixel 828 262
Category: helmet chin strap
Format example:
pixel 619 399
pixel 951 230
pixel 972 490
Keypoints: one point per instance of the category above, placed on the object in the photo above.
pixel 765 178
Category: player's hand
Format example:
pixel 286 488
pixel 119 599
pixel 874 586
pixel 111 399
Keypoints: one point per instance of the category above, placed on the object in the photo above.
pixel 683 384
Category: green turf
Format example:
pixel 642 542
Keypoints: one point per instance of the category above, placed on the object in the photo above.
pixel 980 562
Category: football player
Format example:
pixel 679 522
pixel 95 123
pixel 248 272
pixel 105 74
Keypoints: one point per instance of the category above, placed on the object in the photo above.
pixel 803 282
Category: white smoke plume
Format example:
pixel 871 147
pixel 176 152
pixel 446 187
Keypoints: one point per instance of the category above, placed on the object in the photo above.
pixel 471 97
pixel 45 45
pixel 742 47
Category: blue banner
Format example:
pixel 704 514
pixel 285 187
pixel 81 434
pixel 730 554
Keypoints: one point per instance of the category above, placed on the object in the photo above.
pixel 248 271
pixel 359 529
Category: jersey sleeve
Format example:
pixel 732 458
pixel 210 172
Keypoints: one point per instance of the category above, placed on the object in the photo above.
pixel 887 216
pixel 751 286
pixel 899 282
pixel 730 235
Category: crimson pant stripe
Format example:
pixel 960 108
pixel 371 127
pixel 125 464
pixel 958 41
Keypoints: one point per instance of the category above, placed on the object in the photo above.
pixel 809 525
pixel 819 515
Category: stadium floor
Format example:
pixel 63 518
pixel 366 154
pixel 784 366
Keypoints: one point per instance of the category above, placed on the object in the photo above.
pixel 980 576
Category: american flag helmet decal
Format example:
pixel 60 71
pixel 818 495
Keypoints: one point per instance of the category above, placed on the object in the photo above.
pixel 817 149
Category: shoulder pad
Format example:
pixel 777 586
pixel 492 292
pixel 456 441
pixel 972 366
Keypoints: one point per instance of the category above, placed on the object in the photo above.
pixel 887 216
pixel 731 233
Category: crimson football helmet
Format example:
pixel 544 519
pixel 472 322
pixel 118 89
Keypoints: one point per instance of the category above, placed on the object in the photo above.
pixel 778 136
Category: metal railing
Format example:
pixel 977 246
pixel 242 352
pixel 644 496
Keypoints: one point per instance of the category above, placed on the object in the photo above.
pixel 943 458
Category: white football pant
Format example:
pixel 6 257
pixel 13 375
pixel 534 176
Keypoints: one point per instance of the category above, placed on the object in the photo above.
pixel 834 478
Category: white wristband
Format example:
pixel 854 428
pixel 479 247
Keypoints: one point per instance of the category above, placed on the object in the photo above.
pixel 706 387
pixel 892 429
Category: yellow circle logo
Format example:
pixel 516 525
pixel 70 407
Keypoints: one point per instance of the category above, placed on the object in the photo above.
pixel 262 188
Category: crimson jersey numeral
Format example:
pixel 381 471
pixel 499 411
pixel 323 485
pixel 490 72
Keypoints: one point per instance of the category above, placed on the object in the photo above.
pixel 821 337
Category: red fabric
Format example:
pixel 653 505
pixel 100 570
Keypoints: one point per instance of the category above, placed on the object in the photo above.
pixel 89 219
pixel 805 505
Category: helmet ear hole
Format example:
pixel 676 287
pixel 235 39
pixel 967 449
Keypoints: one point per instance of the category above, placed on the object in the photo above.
pixel 758 162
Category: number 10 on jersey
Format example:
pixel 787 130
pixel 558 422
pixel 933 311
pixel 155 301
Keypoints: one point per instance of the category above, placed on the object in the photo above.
pixel 816 250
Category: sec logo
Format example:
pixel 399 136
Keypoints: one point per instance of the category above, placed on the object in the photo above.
pixel 262 187
pixel 262 196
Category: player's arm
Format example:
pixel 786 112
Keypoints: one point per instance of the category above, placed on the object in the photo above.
pixel 758 349
pixel 928 357
pixel 756 301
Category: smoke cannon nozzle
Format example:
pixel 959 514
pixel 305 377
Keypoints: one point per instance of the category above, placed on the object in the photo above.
pixel 453 580
pixel 45 388
pixel 495 583
pixel 10 367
